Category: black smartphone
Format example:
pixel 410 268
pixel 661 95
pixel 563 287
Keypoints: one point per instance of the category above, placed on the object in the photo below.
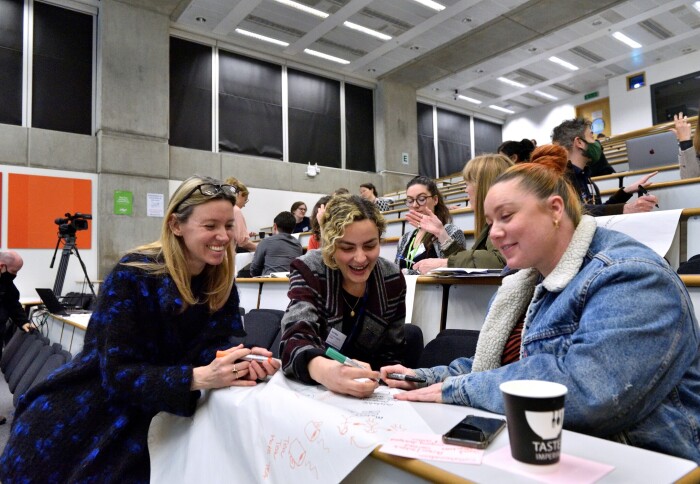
pixel 475 432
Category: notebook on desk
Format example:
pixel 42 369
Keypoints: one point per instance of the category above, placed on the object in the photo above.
pixel 54 305
pixel 652 151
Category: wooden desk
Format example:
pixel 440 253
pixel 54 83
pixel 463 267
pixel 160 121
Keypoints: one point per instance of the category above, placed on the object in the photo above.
pixel 68 330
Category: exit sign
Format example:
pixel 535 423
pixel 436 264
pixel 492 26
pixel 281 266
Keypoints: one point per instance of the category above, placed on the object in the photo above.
pixel 590 95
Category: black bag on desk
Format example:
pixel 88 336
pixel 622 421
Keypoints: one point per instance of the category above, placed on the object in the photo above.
pixel 691 266
pixel 78 300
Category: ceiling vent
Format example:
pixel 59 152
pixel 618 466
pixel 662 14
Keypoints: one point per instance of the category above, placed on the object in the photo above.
pixel 587 54
pixel 564 88
pixel 656 29
pixel 275 26
pixel 482 92
pixel 615 69
pixel 612 16
pixel 528 77
pixel 687 16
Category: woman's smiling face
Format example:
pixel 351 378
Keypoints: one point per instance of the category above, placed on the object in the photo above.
pixel 206 233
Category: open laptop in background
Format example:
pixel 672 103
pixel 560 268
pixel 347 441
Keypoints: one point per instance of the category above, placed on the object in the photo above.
pixel 652 151
pixel 54 305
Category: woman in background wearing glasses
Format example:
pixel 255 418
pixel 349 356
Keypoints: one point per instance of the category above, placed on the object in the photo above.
pixel 434 235
pixel 150 346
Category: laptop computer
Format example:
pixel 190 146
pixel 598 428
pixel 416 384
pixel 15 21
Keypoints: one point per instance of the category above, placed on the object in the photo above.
pixel 652 150
pixel 54 305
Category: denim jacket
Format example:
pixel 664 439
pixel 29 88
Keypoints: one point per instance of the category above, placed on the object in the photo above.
pixel 612 322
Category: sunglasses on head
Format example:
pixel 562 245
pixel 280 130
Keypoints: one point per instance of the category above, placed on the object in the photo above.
pixel 209 190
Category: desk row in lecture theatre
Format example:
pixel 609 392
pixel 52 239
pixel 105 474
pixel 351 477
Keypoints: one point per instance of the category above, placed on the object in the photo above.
pixel 283 431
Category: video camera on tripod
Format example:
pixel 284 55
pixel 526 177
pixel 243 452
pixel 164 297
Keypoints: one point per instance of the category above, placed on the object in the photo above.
pixel 67 227
pixel 71 223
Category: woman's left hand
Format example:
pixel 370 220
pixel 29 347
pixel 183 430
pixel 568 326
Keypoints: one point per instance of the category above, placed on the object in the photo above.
pixel 642 182
pixel 425 221
pixel 432 393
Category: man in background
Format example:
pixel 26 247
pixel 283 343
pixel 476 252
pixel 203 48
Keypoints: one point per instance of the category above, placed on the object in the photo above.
pixel 276 253
pixel 576 136
pixel 10 307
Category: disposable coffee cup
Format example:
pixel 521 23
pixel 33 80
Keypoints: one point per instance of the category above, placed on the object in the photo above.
pixel 535 416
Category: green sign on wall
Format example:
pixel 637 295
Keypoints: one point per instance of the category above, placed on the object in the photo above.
pixel 590 95
pixel 123 202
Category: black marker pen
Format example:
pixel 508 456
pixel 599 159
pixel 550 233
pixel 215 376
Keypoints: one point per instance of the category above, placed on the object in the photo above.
pixel 402 377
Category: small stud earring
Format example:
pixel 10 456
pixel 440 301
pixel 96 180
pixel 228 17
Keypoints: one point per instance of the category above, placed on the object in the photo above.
pixel 556 224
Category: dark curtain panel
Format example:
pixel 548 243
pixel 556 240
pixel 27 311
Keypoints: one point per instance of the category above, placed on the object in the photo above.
pixel 250 106
pixel 359 128
pixel 11 61
pixel 190 95
pixel 426 150
pixel 454 145
pixel 314 119
pixel 487 136
pixel 62 70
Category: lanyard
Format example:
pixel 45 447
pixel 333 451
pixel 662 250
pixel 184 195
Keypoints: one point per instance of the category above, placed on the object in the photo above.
pixel 413 248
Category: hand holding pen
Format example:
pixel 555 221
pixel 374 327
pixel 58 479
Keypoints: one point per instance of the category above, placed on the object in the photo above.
pixel 644 203
pixel 348 379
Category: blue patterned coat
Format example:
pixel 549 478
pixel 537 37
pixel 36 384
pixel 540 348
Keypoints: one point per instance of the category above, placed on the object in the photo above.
pixel 88 422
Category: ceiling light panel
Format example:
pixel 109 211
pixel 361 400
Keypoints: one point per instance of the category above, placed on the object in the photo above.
pixel 626 40
pixel 263 38
pixel 304 8
pixel 284 15
pixel 563 63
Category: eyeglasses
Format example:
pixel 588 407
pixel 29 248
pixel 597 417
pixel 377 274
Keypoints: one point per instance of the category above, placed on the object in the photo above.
pixel 419 200
pixel 209 190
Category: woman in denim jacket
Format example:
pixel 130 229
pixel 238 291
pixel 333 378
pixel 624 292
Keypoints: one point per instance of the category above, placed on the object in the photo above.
pixel 603 315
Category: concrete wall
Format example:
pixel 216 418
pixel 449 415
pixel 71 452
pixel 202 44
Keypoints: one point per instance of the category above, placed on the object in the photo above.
pixel 130 148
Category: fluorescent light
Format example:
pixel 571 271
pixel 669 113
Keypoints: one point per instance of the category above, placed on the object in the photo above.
pixel 303 8
pixel 367 31
pixel 626 40
pixel 696 6
pixel 468 99
pixel 326 56
pixel 548 96
pixel 512 83
pixel 262 37
pixel 431 4
pixel 563 63
pixel 499 108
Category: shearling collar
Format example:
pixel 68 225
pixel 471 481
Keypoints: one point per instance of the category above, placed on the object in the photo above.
pixel 515 295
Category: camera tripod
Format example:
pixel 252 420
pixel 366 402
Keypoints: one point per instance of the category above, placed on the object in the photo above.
pixel 69 247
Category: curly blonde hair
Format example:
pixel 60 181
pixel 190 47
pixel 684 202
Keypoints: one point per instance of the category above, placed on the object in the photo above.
pixel 341 211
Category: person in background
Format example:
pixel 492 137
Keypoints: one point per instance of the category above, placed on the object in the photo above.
pixel 276 253
pixel 316 214
pixel 161 315
pixel 600 167
pixel 11 310
pixel 341 191
pixel 369 192
pixel 303 223
pixel 347 297
pixel 434 235
pixel 479 174
pixel 576 136
pixel 590 308
pixel 517 151
pixel 241 237
pixel 688 150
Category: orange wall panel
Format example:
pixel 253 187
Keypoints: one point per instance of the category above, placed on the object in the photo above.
pixel 33 204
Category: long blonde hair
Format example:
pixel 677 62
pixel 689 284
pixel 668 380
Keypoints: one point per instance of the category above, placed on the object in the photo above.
pixel 483 171
pixel 168 254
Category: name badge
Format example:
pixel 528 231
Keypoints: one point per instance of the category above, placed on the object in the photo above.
pixel 336 339
pixel 420 250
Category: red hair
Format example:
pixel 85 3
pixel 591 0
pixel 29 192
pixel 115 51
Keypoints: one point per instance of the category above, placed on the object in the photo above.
pixel 545 176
